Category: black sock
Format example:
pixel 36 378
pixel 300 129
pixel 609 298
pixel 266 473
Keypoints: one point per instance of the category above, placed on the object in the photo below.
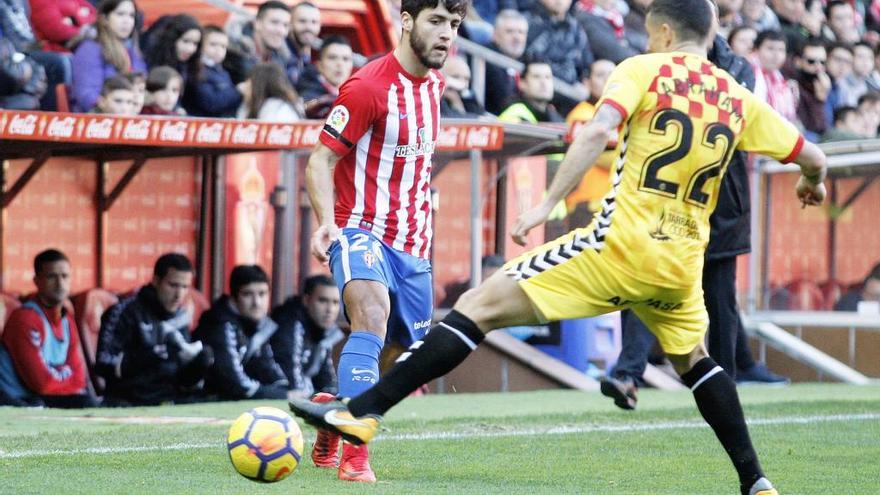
pixel 718 402
pixel 445 346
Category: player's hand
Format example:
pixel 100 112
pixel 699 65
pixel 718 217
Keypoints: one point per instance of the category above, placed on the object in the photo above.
pixel 529 220
pixel 321 241
pixel 810 194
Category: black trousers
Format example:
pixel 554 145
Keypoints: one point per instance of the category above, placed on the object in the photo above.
pixel 727 340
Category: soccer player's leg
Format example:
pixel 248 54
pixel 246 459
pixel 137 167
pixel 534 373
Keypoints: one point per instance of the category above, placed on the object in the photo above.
pixel 680 325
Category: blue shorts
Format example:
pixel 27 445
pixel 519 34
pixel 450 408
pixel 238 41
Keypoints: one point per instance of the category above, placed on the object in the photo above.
pixel 359 255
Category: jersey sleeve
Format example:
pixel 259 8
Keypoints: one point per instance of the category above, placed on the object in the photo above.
pixel 353 113
pixel 767 133
pixel 626 86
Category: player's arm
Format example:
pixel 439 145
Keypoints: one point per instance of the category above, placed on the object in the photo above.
pixel 810 188
pixel 582 154
pixel 319 184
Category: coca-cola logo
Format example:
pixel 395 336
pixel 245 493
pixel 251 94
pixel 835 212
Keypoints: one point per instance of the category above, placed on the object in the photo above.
pixel 99 129
pixel 138 130
pixel 23 125
pixel 311 135
pixel 61 127
pixel 478 137
pixel 210 133
pixel 448 137
pixel 173 131
pixel 245 134
pixel 279 135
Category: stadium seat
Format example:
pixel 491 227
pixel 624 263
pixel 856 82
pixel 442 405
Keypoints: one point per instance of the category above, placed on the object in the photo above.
pixel 61 98
pixel 805 295
pixel 88 306
pixel 196 303
pixel 8 304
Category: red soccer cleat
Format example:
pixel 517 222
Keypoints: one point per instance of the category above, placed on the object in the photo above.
pixel 355 465
pixel 325 452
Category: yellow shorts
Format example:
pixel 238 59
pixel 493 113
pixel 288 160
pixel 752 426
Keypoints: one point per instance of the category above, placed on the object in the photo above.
pixel 567 279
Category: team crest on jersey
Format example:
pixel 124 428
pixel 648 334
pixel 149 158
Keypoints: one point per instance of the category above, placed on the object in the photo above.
pixel 338 118
pixel 36 338
pixel 369 259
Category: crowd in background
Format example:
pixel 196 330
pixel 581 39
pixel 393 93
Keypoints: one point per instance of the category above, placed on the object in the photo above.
pixel 815 61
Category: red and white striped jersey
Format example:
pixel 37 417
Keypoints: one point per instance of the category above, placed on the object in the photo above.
pixel 385 123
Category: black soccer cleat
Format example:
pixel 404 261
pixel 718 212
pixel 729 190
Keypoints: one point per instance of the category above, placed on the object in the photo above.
pixel 335 416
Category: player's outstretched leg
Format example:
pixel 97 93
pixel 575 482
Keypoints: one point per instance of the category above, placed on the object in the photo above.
pixel 718 402
pixel 497 303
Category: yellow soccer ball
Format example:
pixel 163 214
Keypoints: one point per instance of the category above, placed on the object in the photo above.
pixel 265 444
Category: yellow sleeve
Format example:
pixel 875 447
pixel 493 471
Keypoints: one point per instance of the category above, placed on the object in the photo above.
pixel 626 86
pixel 768 133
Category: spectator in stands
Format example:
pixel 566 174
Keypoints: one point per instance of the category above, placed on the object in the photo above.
pixel 605 28
pixel 839 68
pixel 595 83
pixel 319 84
pixel 758 16
pixel 489 264
pixel 263 41
pixel 813 87
pixel 163 92
pixel 237 329
pixel 742 40
pixel 268 96
pixel 557 37
pixel 114 51
pixel 848 124
pixel 212 93
pixel 536 93
pixel 728 16
pixel 57 22
pixel 869 291
pixel 41 360
pixel 869 107
pixel 841 18
pixel 863 77
pixel 177 45
pixel 16 28
pixel 307 333
pixel 458 100
pixel 117 97
pixel 508 38
pixel 770 85
pixel 22 79
pixel 139 86
pixel 796 21
pixel 303 40
pixel 144 350
pixel 634 24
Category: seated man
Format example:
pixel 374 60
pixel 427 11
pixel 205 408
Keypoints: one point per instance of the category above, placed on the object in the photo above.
pixel 536 93
pixel 319 84
pixel 869 291
pixel 144 349
pixel 41 361
pixel 237 328
pixel 307 333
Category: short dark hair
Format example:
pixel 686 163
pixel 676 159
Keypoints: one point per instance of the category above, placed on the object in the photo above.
pixel 841 113
pixel 811 42
pixel 735 32
pixel 535 60
pixel 492 261
pixel 769 35
pixel 413 7
pixel 869 97
pixel 315 281
pixel 159 77
pixel 864 44
pixel 168 261
pixel 305 3
pixel 115 83
pixel 48 256
pixel 332 40
pixel 215 29
pixel 691 19
pixel 246 274
pixel 271 5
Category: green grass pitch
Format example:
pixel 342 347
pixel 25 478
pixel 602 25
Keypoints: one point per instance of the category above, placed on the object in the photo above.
pixel 813 439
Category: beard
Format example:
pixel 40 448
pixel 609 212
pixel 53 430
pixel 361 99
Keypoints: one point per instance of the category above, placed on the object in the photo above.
pixel 423 51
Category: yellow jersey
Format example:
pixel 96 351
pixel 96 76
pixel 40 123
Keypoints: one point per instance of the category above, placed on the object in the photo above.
pixel 682 119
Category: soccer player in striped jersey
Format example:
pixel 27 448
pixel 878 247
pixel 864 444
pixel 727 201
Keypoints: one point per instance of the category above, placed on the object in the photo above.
pixel 375 154
pixel 678 118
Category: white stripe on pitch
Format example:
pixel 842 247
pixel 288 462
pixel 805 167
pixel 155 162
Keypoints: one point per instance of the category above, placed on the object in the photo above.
pixel 409 163
pixel 467 435
pixel 386 164
pixel 428 119
pixel 346 264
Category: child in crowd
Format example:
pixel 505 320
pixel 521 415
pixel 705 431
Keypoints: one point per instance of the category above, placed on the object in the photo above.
pixel 163 86
pixel 139 85
pixel 268 96
pixel 212 93
pixel 117 97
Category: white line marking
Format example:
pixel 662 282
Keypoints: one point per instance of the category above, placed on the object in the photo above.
pixel 464 435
